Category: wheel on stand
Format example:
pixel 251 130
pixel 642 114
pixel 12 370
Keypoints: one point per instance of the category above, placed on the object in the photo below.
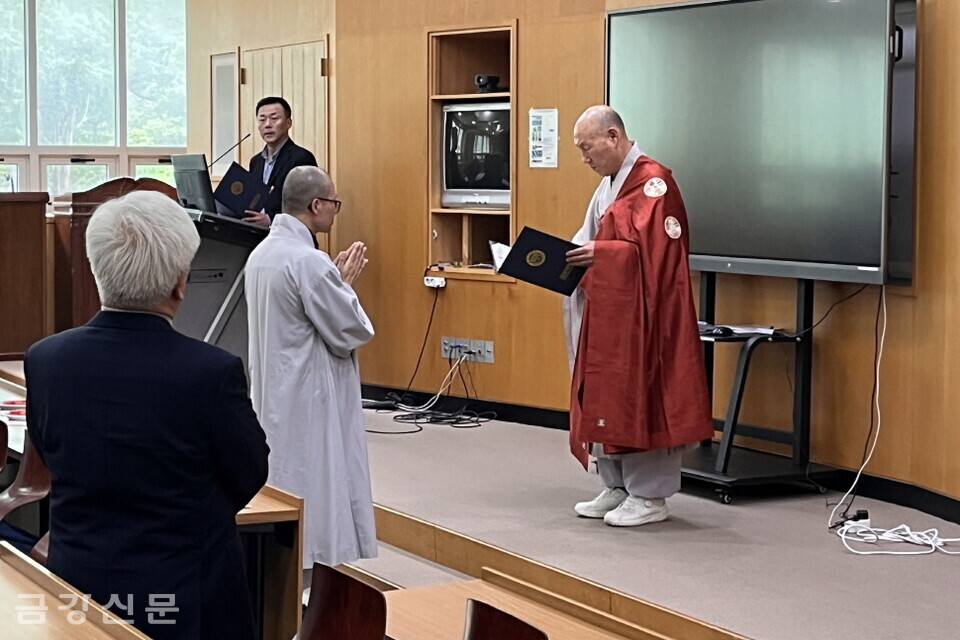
pixel 724 496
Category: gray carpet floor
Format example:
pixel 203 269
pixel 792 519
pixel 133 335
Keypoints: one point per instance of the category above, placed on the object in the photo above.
pixel 765 566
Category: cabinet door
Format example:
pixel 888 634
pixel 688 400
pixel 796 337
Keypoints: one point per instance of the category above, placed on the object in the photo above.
pixel 262 76
pixel 305 88
pixel 294 72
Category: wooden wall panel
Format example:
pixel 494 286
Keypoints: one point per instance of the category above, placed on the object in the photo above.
pixel 379 89
pixel 382 74
pixel 219 27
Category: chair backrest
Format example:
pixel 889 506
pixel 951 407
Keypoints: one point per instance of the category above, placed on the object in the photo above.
pixel 40 550
pixel 341 606
pixel 486 622
pixel 4 442
pixel 31 484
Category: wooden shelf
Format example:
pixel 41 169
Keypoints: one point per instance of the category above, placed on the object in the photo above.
pixel 472 212
pixel 470 273
pixel 462 235
pixel 479 97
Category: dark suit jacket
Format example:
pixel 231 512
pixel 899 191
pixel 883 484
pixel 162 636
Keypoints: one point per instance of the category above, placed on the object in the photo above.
pixel 153 447
pixel 290 155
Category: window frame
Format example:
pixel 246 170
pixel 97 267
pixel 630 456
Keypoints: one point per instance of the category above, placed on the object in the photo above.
pixel 33 158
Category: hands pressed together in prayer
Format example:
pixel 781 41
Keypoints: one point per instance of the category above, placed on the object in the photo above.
pixel 351 262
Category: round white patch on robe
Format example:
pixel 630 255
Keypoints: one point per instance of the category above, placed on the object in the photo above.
pixel 655 187
pixel 672 226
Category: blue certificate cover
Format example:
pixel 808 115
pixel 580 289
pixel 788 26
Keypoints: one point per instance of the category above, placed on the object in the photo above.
pixel 541 259
pixel 240 191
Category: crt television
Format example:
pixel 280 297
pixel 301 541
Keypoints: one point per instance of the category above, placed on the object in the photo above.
pixel 788 125
pixel 476 155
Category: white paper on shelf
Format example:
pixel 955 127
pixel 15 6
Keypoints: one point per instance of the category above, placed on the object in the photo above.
pixel 499 252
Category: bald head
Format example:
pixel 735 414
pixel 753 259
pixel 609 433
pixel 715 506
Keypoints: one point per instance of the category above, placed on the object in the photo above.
pixel 309 195
pixel 302 185
pixel 600 135
pixel 600 118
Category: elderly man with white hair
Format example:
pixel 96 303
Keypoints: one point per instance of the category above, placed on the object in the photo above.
pixel 150 438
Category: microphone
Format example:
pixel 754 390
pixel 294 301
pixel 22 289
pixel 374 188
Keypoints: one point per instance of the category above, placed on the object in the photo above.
pixel 229 150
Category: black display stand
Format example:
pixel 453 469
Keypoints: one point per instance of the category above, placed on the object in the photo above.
pixel 728 466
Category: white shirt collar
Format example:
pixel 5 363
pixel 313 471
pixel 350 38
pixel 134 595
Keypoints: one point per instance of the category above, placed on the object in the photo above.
pixel 152 313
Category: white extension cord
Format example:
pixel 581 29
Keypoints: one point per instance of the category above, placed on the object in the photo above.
pixel 860 531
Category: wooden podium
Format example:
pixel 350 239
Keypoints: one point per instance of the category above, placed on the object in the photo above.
pixel 74 285
pixel 25 310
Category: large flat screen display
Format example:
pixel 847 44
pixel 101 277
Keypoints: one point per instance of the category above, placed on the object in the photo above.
pixel 774 117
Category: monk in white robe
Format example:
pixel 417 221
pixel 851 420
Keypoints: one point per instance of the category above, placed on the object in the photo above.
pixel 305 323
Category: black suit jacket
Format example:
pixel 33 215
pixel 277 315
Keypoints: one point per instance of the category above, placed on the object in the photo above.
pixel 153 447
pixel 290 155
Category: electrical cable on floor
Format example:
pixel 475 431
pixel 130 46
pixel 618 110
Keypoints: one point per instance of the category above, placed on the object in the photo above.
pixel 861 531
pixel 858 533
pixel 831 523
pixel 393 399
pixel 873 398
pixel 460 419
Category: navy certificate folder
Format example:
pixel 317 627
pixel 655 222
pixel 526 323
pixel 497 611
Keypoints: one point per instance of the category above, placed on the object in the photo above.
pixel 239 191
pixel 541 259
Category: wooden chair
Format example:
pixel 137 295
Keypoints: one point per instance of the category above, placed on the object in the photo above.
pixel 341 606
pixel 4 443
pixel 486 622
pixel 31 484
pixel 4 435
pixel 40 550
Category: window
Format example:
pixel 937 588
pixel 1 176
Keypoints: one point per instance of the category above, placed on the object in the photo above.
pixel 156 78
pixel 106 80
pixel 13 80
pixel 162 171
pixel 69 175
pixel 11 174
pixel 76 73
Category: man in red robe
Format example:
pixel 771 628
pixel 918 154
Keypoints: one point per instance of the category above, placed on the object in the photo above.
pixel 639 390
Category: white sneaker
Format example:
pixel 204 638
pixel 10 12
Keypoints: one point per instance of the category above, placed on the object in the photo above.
pixel 635 511
pixel 608 500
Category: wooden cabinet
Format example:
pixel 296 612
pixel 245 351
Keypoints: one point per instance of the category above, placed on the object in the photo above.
pixel 460 232
pixel 24 305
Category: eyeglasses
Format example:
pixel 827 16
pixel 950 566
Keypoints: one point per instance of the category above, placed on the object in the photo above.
pixel 336 203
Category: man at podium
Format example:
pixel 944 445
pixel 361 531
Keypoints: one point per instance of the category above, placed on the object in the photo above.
pixel 639 390
pixel 280 154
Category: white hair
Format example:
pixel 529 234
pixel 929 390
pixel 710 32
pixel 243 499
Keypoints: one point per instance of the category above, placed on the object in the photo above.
pixel 139 245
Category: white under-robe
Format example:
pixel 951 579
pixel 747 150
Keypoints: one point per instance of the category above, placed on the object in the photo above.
pixel 304 324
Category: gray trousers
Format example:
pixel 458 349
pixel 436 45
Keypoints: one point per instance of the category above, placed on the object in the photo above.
pixel 644 474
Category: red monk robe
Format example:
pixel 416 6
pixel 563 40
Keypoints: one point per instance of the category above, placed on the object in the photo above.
pixel 639 380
